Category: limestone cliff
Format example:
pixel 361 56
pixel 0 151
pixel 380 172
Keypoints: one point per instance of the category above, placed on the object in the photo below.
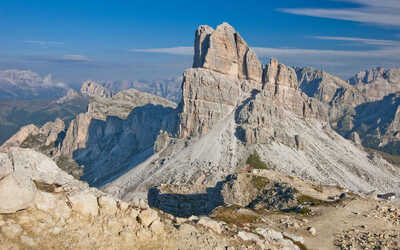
pixel 224 116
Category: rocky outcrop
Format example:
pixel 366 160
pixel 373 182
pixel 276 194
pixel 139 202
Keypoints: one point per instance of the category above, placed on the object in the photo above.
pixel 45 139
pixel 224 50
pixel 18 138
pixel 91 88
pixel 19 169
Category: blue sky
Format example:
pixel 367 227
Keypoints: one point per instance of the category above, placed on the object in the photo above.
pixel 114 40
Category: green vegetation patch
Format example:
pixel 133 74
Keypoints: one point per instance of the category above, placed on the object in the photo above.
pixel 259 182
pixel 255 162
pixel 302 199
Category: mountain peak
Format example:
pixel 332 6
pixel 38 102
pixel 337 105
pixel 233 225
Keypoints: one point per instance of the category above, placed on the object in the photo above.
pixel 223 50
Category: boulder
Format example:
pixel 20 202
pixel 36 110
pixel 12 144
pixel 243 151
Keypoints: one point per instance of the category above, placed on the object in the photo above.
pixel 246 236
pixel 108 205
pixel 36 166
pixel 148 216
pixel 16 193
pixel 84 203
pixel 211 224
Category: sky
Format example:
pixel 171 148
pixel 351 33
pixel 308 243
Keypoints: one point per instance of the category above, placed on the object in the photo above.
pixel 76 40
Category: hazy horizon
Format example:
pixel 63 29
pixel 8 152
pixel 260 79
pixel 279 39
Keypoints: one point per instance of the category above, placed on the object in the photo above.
pixel 75 41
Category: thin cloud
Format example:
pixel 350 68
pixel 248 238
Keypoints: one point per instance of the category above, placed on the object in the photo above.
pixel 395 51
pixel 378 12
pixel 173 51
pixel 44 44
pixel 360 40
pixel 74 58
pixel 265 51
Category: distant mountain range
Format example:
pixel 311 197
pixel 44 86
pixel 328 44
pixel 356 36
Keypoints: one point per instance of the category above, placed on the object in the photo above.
pixel 364 109
pixel 169 88
pixel 27 98
pixel 27 85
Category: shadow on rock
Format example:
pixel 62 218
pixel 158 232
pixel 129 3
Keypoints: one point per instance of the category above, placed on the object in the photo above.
pixel 186 205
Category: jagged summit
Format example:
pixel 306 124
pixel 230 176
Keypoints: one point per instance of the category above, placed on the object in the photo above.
pixel 224 50
pixel 92 88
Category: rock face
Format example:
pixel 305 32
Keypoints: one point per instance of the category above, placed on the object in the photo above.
pixel 207 98
pixel 112 135
pixel 319 84
pixel 367 106
pixel 224 50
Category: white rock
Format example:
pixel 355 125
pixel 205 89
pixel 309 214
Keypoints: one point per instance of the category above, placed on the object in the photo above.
pixel 123 205
pixel 11 231
pixel 16 193
pixel 134 213
pixel 62 209
pixel 37 166
pixel 108 205
pixel 312 231
pixel 5 165
pixel 45 201
pixel 85 203
pixel 28 241
pixel 270 234
pixel 212 224
pixel 148 216
pixel 143 204
pixel 157 226
pixel 246 236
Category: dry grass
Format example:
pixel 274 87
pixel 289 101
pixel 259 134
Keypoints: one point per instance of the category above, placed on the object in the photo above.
pixel 49 188
pixel 228 215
